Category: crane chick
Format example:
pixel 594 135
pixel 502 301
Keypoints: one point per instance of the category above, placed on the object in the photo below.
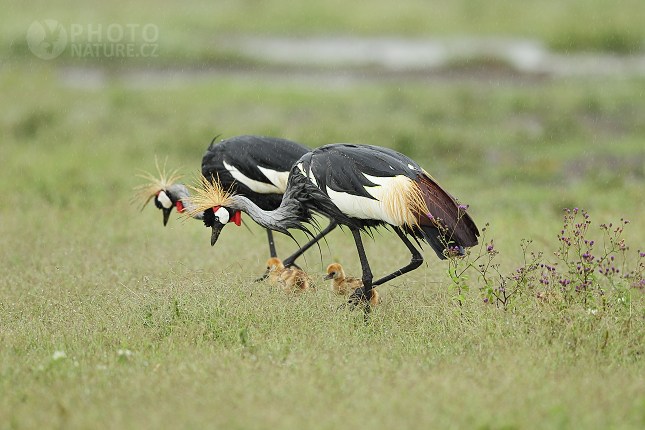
pixel 343 286
pixel 291 280
pixel 340 284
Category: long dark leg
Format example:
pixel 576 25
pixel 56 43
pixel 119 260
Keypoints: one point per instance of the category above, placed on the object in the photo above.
pixel 365 265
pixel 363 293
pixel 272 251
pixel 416 261
pixel 271 244
pixel 289 261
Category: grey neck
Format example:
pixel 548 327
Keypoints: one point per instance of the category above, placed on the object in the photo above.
pixel 287 216
pixel 180 192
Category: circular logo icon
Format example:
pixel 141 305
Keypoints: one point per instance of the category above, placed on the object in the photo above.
pixel 47 39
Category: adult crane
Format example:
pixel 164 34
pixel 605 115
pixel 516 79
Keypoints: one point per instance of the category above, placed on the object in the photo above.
pixel 360 187
pixel 253 166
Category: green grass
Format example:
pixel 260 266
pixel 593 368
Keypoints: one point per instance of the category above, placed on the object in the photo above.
pixel 83 271
pixel 191 32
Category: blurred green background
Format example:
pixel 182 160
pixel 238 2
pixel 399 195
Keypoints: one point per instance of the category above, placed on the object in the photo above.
pixel 511 140
pixel 79 258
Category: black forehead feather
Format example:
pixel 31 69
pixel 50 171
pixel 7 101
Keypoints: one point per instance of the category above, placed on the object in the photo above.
pixel 209 217
pixel 157 202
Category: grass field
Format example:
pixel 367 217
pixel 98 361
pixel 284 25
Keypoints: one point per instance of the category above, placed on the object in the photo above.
pixel 110 320
pixel 86 274
pixel 190 31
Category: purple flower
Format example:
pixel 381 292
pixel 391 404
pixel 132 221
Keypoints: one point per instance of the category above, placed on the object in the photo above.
pixel 462 207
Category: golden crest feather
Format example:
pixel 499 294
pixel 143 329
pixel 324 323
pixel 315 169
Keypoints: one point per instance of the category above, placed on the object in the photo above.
pixel 207 194
pixel 416 203
pixel 149 190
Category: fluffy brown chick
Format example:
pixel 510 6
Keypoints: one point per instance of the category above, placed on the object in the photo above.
pixel 376 298
pixel 291 280
pixel 339 283
pixel 274 269
pixel 342 285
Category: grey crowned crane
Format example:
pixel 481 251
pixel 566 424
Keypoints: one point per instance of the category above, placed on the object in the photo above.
pixel 360 187
pixel 253 166
pixel 167 194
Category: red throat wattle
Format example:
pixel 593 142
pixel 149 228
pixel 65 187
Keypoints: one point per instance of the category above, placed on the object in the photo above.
pixel 180 207
pixel 237 218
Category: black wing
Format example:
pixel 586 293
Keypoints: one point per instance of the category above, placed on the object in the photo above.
pixel 246 153
pixel 342 167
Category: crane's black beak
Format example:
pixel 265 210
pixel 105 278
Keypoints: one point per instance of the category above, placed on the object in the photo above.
pixel 166 215
pixel 263 277
pixel 328 277
pixel 217 229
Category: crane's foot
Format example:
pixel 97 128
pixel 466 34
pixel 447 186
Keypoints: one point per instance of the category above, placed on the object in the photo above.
pixel 366 312
pixel 356 298
pixel 359 298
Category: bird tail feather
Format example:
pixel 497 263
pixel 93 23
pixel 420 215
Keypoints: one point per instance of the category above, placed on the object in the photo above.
pixel 432 235
pixel 445 218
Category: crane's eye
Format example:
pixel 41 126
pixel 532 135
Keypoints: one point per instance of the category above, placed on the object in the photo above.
pixel 165 201
pixel 221 215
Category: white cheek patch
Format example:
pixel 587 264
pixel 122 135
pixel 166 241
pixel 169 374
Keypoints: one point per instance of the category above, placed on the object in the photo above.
pixel 222 215
pixel 164 200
